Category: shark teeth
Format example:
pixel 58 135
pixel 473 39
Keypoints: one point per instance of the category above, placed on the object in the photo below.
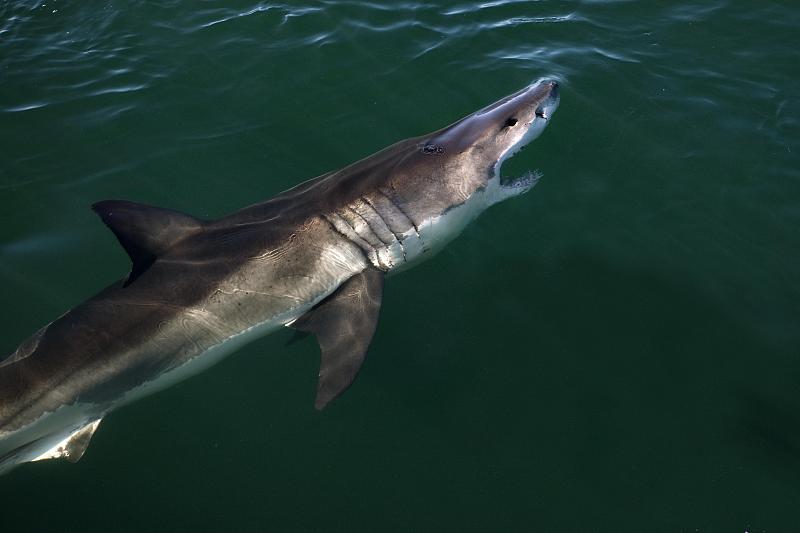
pixel 526 181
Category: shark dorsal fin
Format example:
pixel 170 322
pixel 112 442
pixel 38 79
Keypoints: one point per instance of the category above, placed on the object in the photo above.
pixel 344 324
pixel 144 231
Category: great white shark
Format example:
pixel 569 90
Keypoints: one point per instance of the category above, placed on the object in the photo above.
pixel 312 258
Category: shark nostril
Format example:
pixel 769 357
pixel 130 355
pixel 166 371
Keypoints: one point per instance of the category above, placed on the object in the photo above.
pixel 511 122
pixel 540 113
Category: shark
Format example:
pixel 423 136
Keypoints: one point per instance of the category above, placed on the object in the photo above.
pixel 313 258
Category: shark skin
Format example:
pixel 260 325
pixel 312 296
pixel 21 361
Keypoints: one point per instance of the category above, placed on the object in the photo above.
pixel 313 258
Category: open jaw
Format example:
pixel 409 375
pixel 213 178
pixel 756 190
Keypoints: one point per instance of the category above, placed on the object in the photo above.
pixel 527 180
pixel 516 184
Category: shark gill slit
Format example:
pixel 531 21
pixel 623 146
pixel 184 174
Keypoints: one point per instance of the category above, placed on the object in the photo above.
pixel 363 229
pixel 384 232
pixel 368 233
pixel 351 218
pixel 371 224
pixel 398 238
pixel 374 239
pixel 360 245
pixel 400 210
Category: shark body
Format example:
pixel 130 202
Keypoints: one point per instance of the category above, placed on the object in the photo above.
pixel 312 258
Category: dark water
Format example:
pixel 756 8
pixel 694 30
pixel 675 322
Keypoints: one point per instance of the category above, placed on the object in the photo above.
pixel 616 351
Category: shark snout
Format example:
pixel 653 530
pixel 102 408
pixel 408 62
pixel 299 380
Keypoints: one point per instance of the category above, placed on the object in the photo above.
pixel 545 109
pixel 554 90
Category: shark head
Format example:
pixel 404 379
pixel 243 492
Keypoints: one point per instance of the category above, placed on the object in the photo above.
pixel 454 173
pixel 477 145
pixel 406 201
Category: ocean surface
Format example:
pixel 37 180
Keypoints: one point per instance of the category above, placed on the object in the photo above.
pixel 616 351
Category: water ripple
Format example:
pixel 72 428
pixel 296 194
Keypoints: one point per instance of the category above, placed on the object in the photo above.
pixel 479 6
pixel 694 12
pixel 120 89
pixel 517 21
pixel 389 7
pixel 208 18
pixel 25 107
pixel 397 26
pixel 288 12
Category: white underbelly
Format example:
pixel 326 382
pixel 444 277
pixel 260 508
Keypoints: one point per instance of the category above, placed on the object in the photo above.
pixel 433 233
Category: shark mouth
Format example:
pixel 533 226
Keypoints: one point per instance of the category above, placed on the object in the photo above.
pixel 542 114
pixel 529 178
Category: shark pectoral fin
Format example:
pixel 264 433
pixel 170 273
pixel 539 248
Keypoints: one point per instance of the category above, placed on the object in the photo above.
pixel 79 441
pixel 73 446
pixel 344 324
pixel 145 231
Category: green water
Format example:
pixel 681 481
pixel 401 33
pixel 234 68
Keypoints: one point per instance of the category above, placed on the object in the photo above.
pixel 616 351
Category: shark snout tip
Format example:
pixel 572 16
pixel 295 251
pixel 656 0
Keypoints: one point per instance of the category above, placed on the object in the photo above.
pixel 554 89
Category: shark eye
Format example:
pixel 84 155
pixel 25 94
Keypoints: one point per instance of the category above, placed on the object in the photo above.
pixel 511 122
